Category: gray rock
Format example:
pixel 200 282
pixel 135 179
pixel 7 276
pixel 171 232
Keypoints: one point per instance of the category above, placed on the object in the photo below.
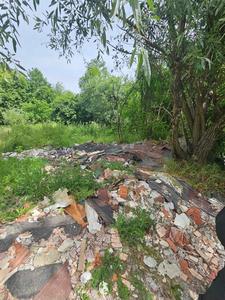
pixel 171 270
pixel 27 283
pixel 182 220
pixel 150 261
pixel 66 245
pixel 46 258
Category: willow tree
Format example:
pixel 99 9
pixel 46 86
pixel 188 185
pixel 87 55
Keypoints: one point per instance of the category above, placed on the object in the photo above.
pixel 187 36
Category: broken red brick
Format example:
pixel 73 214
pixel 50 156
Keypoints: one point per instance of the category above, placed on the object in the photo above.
pixel 178 237
pixel 159 199
pixel 171 244
pixel 195 214
pixel 21 253
pixel 123 191
pixel 184 266
pixel 103 195
pixel 166 213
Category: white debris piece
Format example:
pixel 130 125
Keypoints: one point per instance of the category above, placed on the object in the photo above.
pixel 150 262
pixel 85 277
pixel 92 217
pixel 182 220
pixel 171 270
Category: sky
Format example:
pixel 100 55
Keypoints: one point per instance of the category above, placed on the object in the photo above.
pixel 33 53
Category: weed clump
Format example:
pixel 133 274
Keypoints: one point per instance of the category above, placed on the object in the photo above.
pixel 111 264
pixel 132 230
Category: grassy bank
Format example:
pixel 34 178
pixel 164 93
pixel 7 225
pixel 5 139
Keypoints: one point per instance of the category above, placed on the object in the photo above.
pixel 208 179
pixel 26 136
pixel 22 137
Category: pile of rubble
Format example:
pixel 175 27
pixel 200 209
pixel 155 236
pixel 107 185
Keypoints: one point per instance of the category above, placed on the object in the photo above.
pixel 51 252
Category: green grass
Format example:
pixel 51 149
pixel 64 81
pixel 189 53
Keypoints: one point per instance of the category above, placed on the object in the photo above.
pixel 111 264
pixel 123 290
pixel 143 293
pixel 22 137
pixel 207 178
pixel 26 181
pixel 132 230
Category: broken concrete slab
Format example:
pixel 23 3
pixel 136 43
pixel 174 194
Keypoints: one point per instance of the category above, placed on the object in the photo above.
pixel 26 284
pixel 40 229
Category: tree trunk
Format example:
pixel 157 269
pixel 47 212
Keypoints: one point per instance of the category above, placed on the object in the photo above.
pixel 207 141
pixel 177 97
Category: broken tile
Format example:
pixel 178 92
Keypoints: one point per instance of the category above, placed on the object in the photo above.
pixel 21 253
pixel 77 212
pixel 57 287
pixel 21 284
pixel 123 191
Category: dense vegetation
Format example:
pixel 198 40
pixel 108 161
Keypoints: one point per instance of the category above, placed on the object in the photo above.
pixel 112 108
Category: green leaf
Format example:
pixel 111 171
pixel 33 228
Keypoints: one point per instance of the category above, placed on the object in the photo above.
pixel 104 38
pixel 115 7
pixel 150 4
pixel 14 44
pixel 132 56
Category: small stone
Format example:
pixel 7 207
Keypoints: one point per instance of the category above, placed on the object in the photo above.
pixel 164 243
pixel 197 233
pixel 195 274
pixel 150 262
pixel 85 277
pixel 193 258
pixel 66 245
pixel 161 231
pixel 182 220
pixel 46 258
pixel 128 284
pixel 193 295
pixel 171 270
pixel 123 256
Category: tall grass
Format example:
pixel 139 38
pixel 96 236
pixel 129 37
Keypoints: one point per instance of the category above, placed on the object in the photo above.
pixel 209 178
pixel 23 136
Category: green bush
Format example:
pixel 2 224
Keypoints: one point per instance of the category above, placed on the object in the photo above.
pixel 14 117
